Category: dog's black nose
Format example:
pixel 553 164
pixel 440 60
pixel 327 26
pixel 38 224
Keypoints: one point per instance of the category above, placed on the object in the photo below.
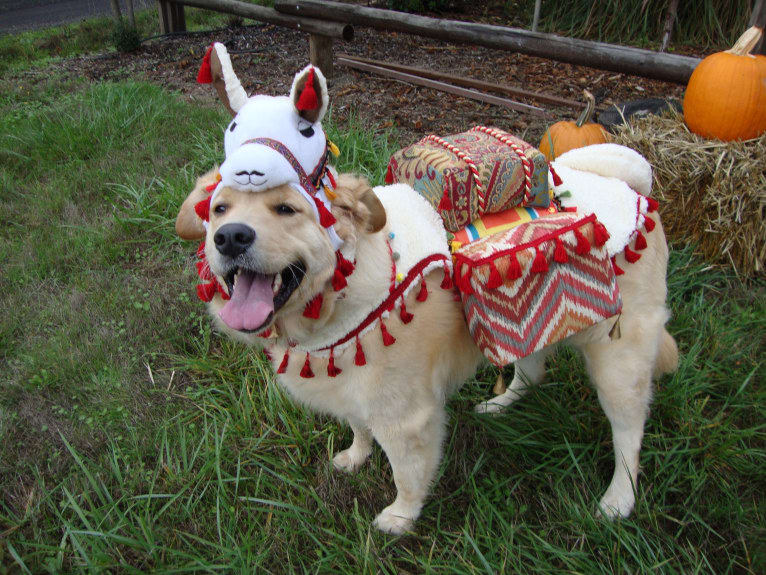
pixel 234 239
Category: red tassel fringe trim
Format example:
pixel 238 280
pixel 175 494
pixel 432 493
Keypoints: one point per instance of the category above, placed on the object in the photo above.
pixel 649 224
pixel 652 204
pixel 333 371
pixel 514 269
pixel 445 203
pixel 389 179
pixel 283 366
pixel 540 264
pixel 494 281
pixel 388 339
pixel 423 293
pixel 600 235
pixel 583 245
pixel 404 315
pixel 631 256
pixel 617 269
pixel 359 358
pixel 560 253
pixel 306 372
pixel 314 307
pixel 447 279
pixel 640 241
pixel 338 280
pixel 345 266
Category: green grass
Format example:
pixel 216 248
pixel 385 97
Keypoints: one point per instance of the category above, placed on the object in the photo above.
pixel 134 439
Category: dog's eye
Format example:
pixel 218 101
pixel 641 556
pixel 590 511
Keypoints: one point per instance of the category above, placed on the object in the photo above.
pixel 284 210
pixel 307 132
pixel 220 209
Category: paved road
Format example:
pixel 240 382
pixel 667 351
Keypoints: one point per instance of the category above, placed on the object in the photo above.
pixel 18 15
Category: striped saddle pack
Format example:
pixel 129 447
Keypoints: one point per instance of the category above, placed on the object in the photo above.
pixel 529 275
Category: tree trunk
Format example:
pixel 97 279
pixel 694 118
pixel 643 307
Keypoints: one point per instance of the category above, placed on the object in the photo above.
pixel 131 14
pixel 758 18
pixel 116 12
pixel 667 28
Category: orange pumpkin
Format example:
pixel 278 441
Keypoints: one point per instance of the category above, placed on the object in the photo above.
pixel 726 95
pixel 564 136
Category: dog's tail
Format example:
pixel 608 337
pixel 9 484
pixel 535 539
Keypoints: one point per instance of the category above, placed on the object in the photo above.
pixel 667 358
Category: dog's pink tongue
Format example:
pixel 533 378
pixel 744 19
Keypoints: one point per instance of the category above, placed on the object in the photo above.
pixel 250 304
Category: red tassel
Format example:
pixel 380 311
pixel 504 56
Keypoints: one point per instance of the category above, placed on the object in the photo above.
pixel 631 256
pixel 423 293
pixel 556 178
pixel 306 372
pixel 203 270
pixel 205 292
pixel 265 334
pixel 640 241
pixel 447 279
pixel 514 268
pixel 617 269
pixel 648 224
pixel 345 266
pixel 465 285
pixel 203 209
pixel 211 187
pixel 359 358
pixel 330 177
pixel 405 316
pixel 333 371
pixel 652 204
pixel 494 281
pixel 285 358
pixel 314 307
pixel 326 219
pixel 540 264
pixel 388 339
pixel 204 76
pixel 445 203
pixel 338 280
pixel 308 99
pixel 268 355
pixel 560 253
pixel 201 250
pixel 389 179
pixel 600 235
pixel 583 245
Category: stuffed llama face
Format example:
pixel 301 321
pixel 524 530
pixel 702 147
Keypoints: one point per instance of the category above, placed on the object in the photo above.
pixel 251 166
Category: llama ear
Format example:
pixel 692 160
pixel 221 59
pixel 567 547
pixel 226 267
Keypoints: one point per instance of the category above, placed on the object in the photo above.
pixel 216 68
pixel 309 94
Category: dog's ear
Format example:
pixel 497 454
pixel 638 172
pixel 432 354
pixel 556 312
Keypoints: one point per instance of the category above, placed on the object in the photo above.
pixel 188 224
pixel 309 94
pixel 355 195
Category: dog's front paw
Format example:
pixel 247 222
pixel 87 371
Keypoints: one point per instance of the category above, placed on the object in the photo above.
pixel 349 460
pixel 614 505
pixel 393 522
pixel 489 407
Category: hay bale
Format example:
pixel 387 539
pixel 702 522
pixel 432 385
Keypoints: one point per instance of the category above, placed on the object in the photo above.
pixel 712 193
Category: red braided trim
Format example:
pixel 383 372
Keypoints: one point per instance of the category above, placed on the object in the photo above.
pixel 462 259
pixel 390 301
pixel 469 162
pixel 505 139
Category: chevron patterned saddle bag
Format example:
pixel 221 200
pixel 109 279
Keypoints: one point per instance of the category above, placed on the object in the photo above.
pixel 530 286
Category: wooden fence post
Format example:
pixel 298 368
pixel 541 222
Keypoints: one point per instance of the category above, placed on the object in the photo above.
pixel 320 53
pixel 172 17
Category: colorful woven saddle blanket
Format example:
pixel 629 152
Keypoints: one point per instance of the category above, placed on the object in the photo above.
pixel 536 276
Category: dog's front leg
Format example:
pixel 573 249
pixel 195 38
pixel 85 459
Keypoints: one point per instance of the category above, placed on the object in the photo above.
pixel 349 460
pixel 413 447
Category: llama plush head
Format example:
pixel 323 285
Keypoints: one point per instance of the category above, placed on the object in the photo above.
pixel 273 140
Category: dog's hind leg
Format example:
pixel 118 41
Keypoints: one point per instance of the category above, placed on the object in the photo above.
pixel 349 460
pixel 413 446
pixel 527 372
pixel 621 371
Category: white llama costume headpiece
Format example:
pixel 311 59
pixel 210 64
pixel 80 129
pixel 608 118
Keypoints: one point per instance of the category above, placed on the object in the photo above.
pixel 275 140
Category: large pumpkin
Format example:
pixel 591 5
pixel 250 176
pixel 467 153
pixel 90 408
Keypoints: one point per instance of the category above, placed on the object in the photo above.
pixel 726 95
pixel 564 136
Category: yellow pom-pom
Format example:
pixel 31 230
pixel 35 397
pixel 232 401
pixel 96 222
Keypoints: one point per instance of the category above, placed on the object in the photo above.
pixel 400 277
pixel 333 148
pixel 329 193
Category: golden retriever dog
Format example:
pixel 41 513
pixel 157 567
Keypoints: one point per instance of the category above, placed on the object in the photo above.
pixel 398 398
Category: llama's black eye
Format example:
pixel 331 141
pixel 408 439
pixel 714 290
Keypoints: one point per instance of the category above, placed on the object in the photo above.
pixel 233 125
pixel 307 132
pixel 284 210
